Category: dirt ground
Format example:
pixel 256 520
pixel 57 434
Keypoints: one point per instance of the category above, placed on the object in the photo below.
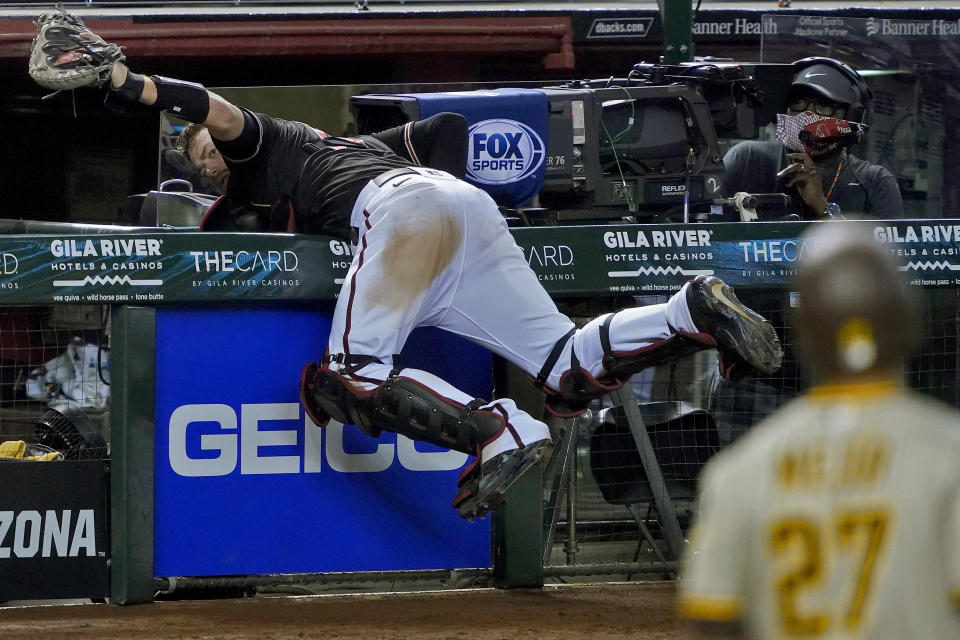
pixel 644 611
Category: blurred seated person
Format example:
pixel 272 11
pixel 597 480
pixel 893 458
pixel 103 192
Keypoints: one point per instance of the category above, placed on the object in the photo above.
pixel 810 160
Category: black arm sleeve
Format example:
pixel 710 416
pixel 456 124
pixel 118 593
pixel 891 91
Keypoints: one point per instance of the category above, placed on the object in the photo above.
pixel 438 142
pixel 245 146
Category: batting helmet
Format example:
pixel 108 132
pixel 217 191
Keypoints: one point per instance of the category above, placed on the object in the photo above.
pixel 835 80
pixel 856 314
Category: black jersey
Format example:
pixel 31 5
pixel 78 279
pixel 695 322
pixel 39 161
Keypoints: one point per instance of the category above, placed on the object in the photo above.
pixel 334 173
pixel 276 161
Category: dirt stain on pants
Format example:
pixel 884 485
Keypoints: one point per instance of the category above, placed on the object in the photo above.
pixel 416 254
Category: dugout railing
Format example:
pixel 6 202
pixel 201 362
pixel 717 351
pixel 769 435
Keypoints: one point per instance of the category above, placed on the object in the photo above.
pixel 170 310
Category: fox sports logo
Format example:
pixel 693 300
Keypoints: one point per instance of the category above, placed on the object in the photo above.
pixel 503 151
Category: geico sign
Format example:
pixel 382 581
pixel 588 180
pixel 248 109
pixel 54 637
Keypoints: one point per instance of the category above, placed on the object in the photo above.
pixel 241 442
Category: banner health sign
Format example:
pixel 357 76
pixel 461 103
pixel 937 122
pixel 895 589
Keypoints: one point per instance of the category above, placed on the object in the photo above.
pixel 507 129
pixel 246 484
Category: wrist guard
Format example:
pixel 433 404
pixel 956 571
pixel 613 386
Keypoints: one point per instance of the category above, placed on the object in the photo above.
pixel 119 98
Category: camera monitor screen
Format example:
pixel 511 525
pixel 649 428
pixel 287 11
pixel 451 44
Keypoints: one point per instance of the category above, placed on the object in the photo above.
pixel 645 136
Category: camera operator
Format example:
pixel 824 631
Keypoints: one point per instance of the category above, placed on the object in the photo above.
pixel 810 161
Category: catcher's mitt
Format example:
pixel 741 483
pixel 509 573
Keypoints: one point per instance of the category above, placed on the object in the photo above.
pixel 65 54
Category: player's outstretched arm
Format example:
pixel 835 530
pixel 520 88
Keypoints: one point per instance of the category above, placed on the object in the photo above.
pixel 65 55
pixel 187 100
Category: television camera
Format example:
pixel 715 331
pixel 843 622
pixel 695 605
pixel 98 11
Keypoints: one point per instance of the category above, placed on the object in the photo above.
pixel 640 148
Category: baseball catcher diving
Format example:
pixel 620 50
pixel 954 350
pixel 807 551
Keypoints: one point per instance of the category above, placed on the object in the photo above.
pixel 431 250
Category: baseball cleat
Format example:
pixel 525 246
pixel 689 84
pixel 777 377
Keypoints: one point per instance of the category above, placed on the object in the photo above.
pixel 483 487
pixel 715 310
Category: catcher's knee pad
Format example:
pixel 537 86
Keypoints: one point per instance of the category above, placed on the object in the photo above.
pixel 575 391
pixel 576 388
pixel 326 394
pixel 406 407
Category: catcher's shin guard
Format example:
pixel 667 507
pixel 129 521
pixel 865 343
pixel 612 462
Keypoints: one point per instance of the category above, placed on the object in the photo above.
pixel 400 405
pixel 577 387
pixel 623 364
pixel 409 408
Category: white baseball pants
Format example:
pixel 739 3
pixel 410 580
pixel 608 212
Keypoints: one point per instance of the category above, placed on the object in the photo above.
pixel 435 251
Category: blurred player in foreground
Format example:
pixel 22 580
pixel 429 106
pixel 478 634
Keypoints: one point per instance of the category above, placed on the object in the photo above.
pixel 838 516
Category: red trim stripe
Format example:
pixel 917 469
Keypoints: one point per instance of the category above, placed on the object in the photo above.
pixel 353 285
pixel 506 422
pixel 469 469
pixel 450 401
pixel 211 211
pixel 356 378
pixel 360 393
pixel 291 218
pixel 705 339
pixel 408 141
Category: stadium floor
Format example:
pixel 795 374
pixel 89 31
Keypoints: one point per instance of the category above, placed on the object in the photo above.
pixel 643 611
